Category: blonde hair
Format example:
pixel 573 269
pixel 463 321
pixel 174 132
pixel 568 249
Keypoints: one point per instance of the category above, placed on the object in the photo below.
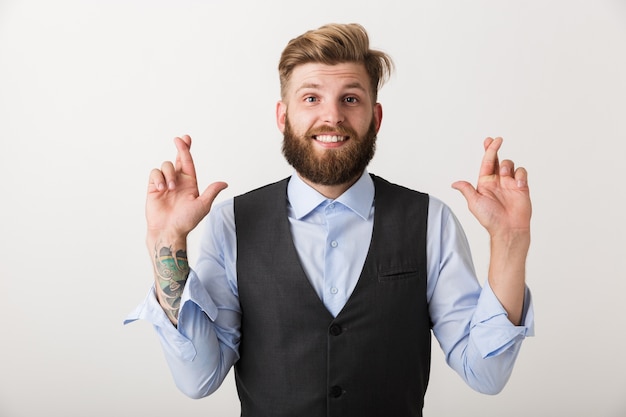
pixel 333 44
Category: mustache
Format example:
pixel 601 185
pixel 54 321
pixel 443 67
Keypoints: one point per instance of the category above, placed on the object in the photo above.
pixel 340 130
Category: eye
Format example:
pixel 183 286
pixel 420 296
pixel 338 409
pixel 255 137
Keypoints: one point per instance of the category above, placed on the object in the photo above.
pixel 310 99
pixel 351 100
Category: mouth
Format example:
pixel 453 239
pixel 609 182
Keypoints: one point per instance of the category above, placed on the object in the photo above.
pixel 330 138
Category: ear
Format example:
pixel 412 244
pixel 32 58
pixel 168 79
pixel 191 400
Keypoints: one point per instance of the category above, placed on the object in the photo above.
pixel 281 115
pixel 378 115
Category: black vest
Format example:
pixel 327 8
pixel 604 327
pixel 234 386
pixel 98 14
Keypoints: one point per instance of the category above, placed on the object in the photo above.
pixel 373 359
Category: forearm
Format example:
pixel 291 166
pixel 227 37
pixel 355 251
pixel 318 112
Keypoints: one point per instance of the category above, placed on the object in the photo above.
pixel 507 272
pixel 171 270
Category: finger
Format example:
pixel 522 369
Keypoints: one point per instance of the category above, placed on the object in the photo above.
pixel 156 181
pixel 208 195
pixel 490 165
pixel 169 174
pixel 187 140
pixel 467 189
pixel 521 178
pixel 184 161
pixel 488 141
pixel 507 168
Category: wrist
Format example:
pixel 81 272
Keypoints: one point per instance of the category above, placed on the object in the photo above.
pixel 157 239
pixel 171 269
pixel 509 251
pixel 514 238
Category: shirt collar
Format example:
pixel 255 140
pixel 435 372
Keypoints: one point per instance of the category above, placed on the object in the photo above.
pixel 304 199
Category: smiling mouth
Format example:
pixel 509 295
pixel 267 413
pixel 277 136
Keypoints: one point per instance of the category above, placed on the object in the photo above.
pixel 330 138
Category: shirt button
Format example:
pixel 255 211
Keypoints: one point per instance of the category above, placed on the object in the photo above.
pixel 331 206
pixel 334 244
pixel 334 290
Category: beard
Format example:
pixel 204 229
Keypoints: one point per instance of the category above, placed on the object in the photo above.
pixel 335 166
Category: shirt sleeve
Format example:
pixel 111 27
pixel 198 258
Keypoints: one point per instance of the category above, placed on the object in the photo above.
pixel 491 327
pixel 201 350
pixel 470 324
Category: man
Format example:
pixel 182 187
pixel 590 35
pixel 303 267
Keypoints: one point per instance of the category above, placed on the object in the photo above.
pixel 322 289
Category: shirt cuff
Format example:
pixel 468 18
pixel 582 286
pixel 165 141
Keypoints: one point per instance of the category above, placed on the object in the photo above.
pixel 172 339
pixel 195 292
pixel 491 329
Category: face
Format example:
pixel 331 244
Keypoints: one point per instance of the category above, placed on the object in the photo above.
pixel 329 122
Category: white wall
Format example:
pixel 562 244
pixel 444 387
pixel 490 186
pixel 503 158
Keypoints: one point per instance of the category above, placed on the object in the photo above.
pixel 92 93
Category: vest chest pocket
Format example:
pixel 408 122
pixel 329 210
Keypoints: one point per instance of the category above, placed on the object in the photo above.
pixel 398 274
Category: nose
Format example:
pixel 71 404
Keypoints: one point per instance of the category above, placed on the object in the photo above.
pixel 333 114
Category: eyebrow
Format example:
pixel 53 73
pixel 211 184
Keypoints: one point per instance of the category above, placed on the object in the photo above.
pixel 357 85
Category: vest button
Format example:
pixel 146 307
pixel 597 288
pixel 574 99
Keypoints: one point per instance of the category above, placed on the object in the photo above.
pixel 335 391
pixel 335 330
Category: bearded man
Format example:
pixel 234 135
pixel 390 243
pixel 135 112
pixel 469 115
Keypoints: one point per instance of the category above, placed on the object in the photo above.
pixel 323 289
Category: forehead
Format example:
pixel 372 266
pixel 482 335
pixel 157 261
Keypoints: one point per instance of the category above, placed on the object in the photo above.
pixel 323 76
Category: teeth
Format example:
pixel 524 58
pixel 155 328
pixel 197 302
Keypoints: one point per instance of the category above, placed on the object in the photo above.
pixel 328 138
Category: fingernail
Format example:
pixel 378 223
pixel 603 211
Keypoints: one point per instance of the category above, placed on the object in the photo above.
pixel 171 185
pixel 504 170
pixel 521 183
pixel 160 186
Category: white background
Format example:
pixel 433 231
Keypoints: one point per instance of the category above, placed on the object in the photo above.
pixel 92 93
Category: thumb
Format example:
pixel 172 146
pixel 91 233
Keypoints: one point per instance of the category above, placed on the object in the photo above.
pixel 466 189
pixel 208 195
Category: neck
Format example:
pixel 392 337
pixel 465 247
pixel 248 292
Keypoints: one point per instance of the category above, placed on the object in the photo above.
pixel 331 191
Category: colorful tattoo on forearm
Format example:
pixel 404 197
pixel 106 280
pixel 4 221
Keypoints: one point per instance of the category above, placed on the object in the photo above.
pixel 172 271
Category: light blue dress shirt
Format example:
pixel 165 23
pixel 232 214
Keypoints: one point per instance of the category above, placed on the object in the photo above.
pixel 471 326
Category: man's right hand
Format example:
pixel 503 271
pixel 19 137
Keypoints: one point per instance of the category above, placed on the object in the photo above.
pixel 174 207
